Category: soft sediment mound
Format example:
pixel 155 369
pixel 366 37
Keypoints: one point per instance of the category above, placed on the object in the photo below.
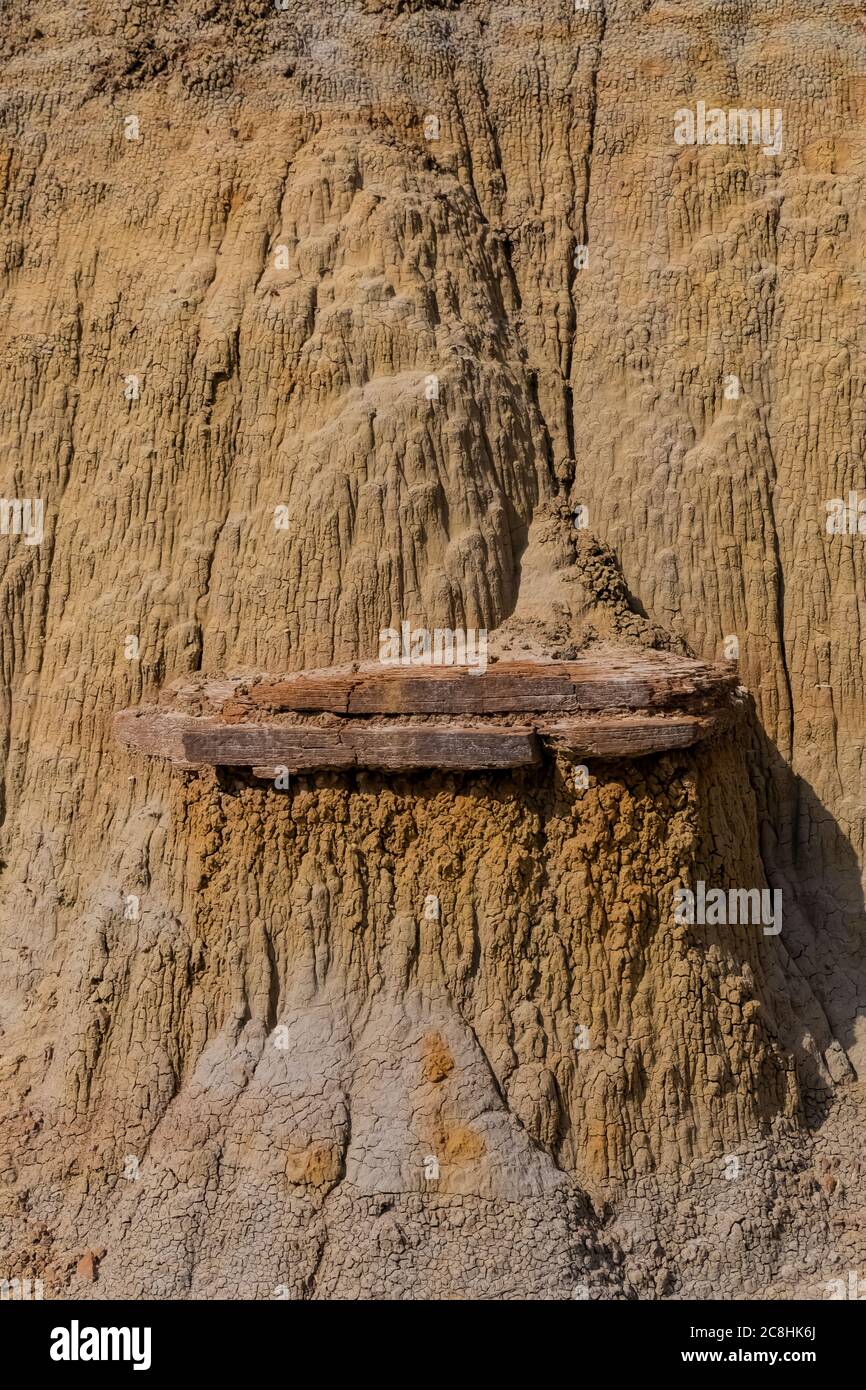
pixel 412 1035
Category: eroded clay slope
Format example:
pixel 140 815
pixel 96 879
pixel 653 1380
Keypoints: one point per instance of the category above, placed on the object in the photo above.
pixel 295 347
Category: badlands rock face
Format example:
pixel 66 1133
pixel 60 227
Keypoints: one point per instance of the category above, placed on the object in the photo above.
pixel 316 320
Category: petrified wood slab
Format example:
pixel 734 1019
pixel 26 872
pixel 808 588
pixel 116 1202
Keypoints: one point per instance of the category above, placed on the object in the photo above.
pixel 613 704
pixel 630 737
pixel 643 681
pixel 199 742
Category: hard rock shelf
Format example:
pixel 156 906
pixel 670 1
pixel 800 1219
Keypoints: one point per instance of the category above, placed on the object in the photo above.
pixel 611 703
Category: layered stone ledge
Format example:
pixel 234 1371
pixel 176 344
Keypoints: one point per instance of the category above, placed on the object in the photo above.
pixel 611 703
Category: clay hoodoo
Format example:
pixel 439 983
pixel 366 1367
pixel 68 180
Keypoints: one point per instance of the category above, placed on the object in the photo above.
pixel 610 703
pixel 319 322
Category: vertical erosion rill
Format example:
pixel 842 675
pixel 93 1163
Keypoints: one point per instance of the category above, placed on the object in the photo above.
pixel 321 982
